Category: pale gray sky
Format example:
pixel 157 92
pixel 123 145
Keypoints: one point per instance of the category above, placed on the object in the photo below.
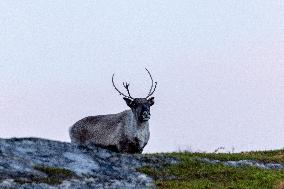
pixel 219 64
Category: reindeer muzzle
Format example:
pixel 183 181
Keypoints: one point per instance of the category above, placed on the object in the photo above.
pixel 145 116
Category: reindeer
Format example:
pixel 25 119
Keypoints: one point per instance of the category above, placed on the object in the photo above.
pixel 125 132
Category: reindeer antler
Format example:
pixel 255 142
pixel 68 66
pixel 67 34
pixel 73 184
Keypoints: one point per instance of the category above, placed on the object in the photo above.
pixel 151 92
pixel 126 86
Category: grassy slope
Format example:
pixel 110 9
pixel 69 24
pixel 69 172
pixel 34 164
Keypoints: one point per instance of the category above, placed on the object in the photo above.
pixel 190 173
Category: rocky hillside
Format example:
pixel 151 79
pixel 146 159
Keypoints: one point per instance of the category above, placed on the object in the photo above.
pixel 39 163
pixel 33 163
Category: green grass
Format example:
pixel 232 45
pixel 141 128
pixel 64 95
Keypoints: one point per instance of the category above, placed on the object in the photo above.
pixel 272 156
pixel 191 173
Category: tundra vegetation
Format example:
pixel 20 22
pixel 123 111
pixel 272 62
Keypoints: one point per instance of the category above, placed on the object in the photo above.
pixel 190 172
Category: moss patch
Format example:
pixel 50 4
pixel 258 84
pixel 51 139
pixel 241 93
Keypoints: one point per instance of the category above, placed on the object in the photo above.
pixel 55 176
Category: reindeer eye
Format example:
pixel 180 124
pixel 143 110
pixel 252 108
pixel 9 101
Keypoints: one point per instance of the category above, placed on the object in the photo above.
pixel 133 104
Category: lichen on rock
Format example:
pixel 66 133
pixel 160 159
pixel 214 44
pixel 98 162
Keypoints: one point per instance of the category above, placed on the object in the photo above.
pixel 40 163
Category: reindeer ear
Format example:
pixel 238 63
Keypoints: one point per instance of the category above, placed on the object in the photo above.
pixel 128 101
pixel 151 101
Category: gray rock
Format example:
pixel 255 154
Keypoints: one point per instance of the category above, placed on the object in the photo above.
pixel 33 163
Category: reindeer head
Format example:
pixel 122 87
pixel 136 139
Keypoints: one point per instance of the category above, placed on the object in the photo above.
pixel 139 106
